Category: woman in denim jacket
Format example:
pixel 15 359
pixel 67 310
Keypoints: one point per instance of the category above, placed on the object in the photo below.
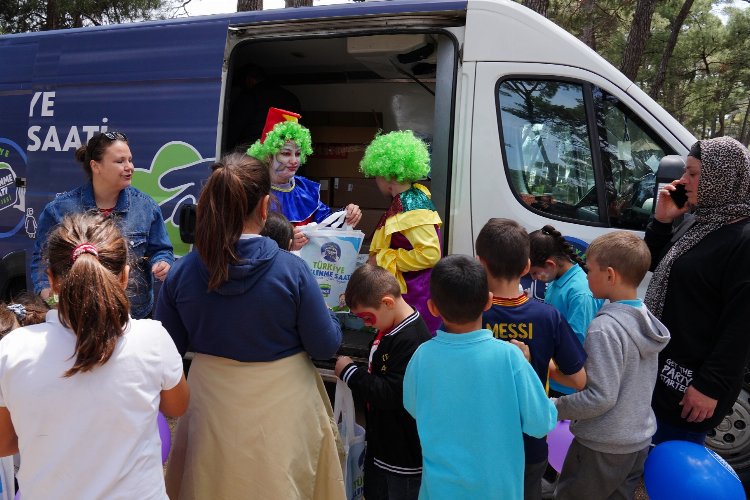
pixel 108 164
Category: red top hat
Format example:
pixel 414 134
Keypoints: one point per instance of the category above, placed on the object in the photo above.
pixel 276 115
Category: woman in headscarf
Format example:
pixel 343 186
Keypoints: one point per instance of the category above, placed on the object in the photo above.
pixel 701 289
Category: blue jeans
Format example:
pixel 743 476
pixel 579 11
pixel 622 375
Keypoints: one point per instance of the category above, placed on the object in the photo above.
pixel 384 485
pixel 667 432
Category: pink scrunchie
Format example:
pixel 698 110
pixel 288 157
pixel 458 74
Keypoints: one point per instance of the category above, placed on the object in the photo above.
pixel 84 248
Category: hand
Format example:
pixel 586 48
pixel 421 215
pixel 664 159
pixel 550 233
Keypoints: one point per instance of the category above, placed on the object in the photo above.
pixel 353 214
pixel 666 210
pixel 341 363
pixel 524 348
pixel 696 406
pixel 299 239
pixel 44 294
pixel 160 270
pixel 372 259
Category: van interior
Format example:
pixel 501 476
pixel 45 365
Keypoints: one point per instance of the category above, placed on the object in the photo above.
pixel 348 89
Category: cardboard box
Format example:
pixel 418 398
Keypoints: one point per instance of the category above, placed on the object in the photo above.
pixel 360 191
pixel 342 119
pixel 326 185
pixel 337 150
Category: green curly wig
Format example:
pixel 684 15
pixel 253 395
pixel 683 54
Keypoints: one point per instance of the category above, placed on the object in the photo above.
pixel 276 138
pixel 399 156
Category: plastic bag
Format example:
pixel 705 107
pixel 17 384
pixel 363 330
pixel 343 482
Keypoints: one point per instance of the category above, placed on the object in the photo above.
pixel 353 436
pixel 331 255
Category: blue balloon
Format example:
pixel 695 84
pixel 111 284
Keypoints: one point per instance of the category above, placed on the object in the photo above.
pixel 684 470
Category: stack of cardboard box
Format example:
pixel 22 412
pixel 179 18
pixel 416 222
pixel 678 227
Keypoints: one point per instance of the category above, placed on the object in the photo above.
pixel 339 142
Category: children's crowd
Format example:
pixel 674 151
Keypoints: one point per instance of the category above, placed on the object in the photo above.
pixel 476 394
pixel 466 375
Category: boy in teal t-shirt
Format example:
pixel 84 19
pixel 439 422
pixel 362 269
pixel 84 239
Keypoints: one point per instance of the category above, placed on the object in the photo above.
pixel 473 396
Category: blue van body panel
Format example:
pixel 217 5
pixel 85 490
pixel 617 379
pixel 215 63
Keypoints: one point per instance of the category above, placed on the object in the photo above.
pixel 159 82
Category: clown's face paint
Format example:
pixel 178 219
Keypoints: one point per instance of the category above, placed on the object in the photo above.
pixel 285 163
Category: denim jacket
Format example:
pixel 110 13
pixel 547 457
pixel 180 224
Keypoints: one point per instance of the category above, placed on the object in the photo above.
pixel 142 224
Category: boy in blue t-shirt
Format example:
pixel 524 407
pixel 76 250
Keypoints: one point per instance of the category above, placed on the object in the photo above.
pixel 503 249
pixel 473 396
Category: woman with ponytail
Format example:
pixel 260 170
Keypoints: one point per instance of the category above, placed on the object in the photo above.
pixel 555 262
pixel 259 423
pixel 79 393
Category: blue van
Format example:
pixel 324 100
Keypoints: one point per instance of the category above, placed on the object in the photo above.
pixel 524 120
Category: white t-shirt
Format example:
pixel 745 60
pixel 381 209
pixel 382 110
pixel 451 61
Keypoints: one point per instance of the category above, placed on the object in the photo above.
pixel 93 435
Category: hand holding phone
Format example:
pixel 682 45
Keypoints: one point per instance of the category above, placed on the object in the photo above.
pixel 679 196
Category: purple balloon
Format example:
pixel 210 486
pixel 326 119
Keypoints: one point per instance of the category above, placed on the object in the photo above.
pixel 165 435
pixel 559 441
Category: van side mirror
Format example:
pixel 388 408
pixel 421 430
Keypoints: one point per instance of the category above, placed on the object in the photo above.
pixel 671 167
pixel 187 223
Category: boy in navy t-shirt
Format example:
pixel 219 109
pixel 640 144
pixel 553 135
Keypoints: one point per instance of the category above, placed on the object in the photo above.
pixel 503 249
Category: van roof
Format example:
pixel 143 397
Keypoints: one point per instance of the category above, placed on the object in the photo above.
pixel 369 8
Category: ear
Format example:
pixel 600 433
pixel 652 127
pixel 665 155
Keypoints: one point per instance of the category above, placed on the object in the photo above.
pixel 489 302
pixel 388 301
pixel 124 277
pixel 611 275
pixel 550 263
pixel 95 166
pixel 526 269
pixel 433 308
pixel 263 207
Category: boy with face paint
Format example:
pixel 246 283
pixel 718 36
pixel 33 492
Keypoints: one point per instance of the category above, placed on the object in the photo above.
pixel 285 146
pixel 393 462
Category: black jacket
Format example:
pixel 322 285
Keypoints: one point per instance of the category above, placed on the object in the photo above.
pixel 392 440
pixel 706 313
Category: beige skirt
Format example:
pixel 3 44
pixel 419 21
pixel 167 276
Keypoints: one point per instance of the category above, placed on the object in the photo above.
pixel 256 430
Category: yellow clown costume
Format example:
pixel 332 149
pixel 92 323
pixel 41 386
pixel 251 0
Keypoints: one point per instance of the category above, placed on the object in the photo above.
pixel 407 240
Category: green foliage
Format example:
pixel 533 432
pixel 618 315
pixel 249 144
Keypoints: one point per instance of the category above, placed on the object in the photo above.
pixel 18 16
pixel 707 84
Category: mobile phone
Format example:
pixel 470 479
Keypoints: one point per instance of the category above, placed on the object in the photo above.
pixel 679 196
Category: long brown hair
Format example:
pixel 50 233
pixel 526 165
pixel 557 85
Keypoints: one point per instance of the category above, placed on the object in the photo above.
pixel 92 300
pixel 236 185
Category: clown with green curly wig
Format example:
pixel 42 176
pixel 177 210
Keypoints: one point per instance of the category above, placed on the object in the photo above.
pixel 284 146
pixel 407 240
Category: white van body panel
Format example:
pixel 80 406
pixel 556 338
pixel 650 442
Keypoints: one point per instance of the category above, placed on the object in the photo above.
pixel 502 30
pixel 671 126
pixel 461 234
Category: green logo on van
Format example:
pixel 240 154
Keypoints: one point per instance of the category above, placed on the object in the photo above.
pixel 171 158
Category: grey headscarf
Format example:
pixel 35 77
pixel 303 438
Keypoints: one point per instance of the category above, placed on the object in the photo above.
pixel 723 197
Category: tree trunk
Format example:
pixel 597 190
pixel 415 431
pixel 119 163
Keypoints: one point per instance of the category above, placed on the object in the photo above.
pixel 674 32
pixel 639 34
pixel 247 5
pixel 53 15
pixel 297 3
pixel 539 6
pixel 589 34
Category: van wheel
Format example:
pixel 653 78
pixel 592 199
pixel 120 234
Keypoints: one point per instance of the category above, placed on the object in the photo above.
pixel 731 438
